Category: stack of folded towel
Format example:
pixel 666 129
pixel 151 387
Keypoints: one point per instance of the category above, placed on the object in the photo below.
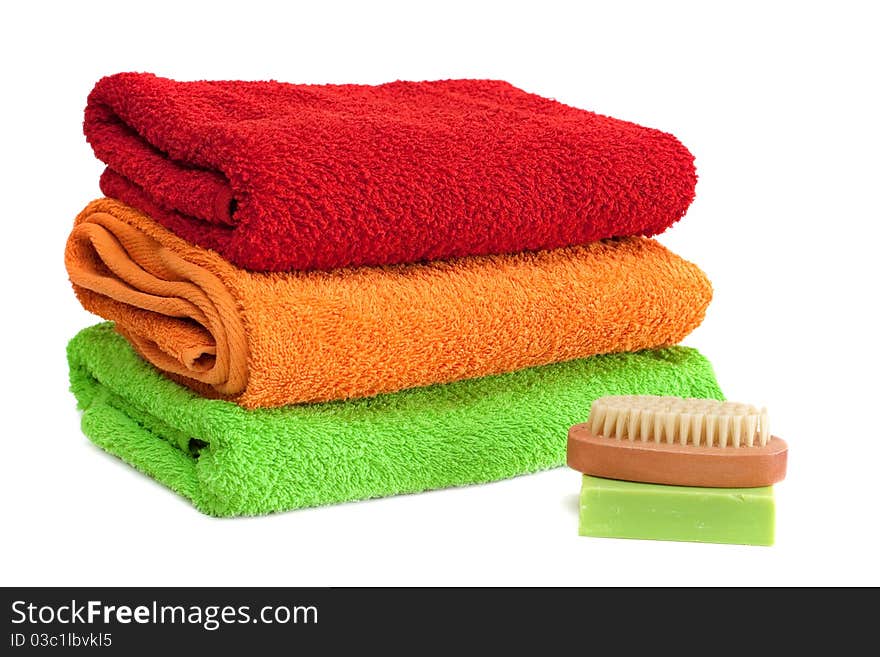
pixel 328 293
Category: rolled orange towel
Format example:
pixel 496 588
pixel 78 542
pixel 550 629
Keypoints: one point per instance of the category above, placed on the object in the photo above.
pixel 270 339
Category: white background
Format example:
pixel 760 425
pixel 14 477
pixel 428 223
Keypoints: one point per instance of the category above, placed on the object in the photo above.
pixel 778 103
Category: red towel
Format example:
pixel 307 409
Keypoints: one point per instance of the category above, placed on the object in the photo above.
pixel 279 176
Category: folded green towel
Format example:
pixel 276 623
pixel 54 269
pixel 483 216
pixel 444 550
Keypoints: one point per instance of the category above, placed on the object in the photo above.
pixel 232 461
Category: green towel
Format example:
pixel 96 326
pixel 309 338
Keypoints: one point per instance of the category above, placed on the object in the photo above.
pixel 232 461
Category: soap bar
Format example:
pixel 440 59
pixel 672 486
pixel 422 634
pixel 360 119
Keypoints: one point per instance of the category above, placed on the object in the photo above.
pixel 624 509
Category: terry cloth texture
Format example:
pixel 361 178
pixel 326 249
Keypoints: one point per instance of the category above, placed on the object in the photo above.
pixel 270 339
pixel 280 176
pixel 233 461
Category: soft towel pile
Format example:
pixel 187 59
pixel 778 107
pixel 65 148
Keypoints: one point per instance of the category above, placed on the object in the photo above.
pixel 359 257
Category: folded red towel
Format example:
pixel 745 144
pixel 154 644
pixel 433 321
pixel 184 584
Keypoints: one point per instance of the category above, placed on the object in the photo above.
pixel 279 176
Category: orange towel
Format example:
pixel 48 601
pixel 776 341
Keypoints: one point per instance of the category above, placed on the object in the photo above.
pixel 269 339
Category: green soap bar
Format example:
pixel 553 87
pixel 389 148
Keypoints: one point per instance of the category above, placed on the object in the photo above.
pixel 623 509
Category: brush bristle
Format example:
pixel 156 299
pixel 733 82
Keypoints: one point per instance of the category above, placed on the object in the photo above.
pixel 705 422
